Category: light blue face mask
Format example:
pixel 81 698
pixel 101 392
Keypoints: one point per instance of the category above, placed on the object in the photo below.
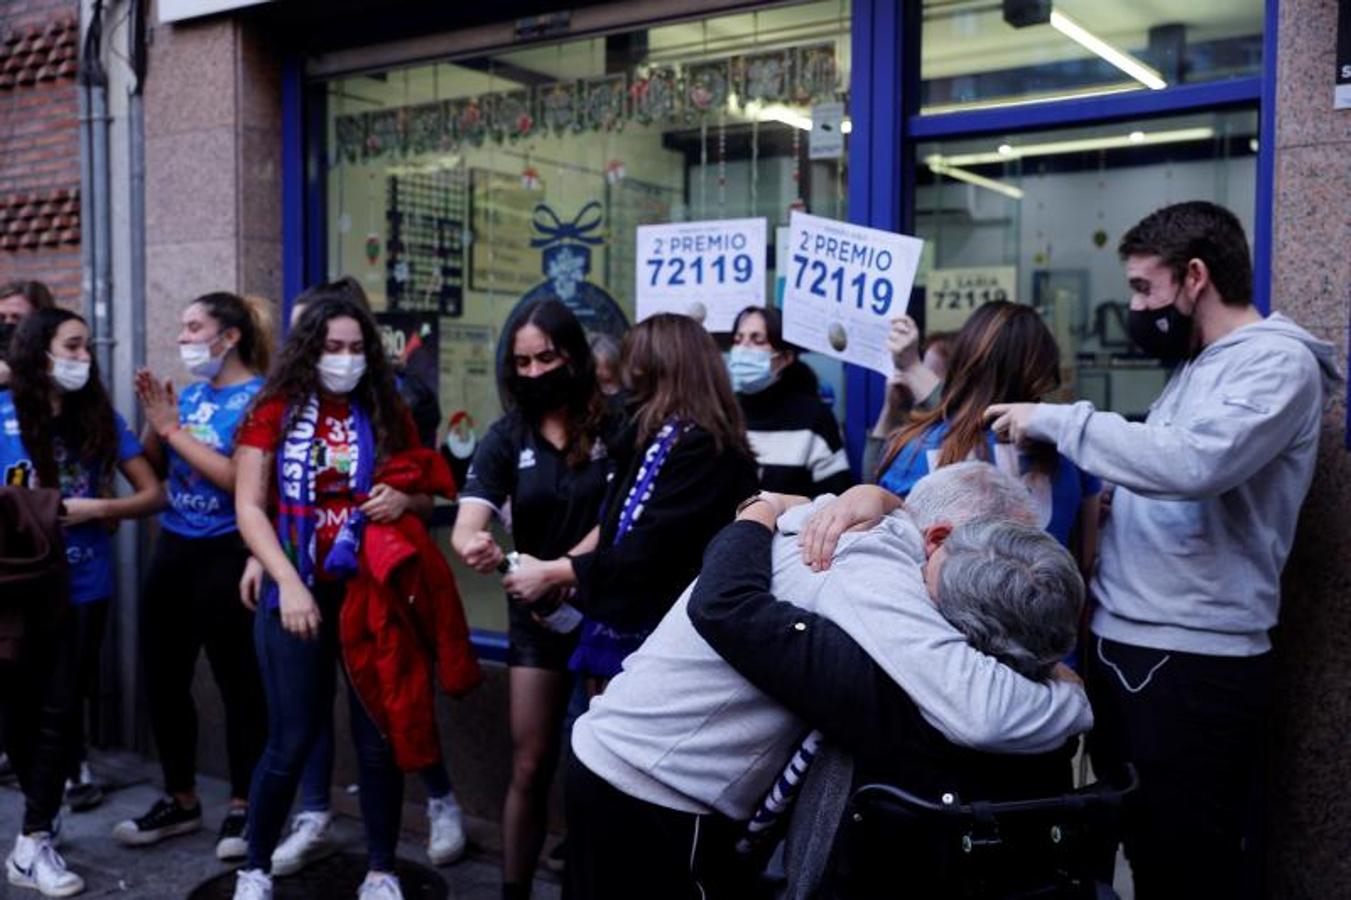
pixel 752 370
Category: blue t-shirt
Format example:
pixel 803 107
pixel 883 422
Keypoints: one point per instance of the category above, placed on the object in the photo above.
pixel 197 508
pixel 1055 499
pixel 88 546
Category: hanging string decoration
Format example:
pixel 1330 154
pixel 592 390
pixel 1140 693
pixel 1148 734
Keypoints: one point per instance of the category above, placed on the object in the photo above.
pixel 696 92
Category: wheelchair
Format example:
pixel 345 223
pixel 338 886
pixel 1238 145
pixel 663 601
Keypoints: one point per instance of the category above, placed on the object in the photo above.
pixel 1047 848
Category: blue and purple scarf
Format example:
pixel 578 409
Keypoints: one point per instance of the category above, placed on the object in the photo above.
pixel 602 649
pixel 297 508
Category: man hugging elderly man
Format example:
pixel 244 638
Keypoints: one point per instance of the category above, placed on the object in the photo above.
pixel 920 643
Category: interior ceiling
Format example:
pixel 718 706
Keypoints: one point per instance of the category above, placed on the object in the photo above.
pixel 962 37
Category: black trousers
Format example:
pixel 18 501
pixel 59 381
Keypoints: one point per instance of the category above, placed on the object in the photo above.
pixel 191 602
pixel 90 628
pixel 40 691
pixel 621 848
pixel 1193 727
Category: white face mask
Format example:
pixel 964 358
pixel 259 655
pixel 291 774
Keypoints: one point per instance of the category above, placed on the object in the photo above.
pixel 198 360
pixel 340 372
pixel 69 374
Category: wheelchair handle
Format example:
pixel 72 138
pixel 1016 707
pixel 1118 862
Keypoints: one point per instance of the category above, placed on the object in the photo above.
pixel 1094 795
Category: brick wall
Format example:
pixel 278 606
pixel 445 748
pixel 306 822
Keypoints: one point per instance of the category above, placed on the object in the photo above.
pixel 40 144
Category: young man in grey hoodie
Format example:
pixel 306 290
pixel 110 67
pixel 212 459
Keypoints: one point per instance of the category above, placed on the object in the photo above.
pixel 1209 488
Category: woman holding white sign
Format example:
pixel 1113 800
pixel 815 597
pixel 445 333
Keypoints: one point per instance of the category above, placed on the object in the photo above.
pixel 795 438
pixel 1004 350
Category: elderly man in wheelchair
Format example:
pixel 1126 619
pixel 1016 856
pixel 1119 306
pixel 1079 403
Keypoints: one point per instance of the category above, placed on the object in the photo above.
pixel 877 803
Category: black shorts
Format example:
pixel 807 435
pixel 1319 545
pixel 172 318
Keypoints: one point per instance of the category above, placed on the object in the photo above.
pixel 532 646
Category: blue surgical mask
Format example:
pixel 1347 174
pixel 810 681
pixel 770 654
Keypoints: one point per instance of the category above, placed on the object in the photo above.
pixel 752 370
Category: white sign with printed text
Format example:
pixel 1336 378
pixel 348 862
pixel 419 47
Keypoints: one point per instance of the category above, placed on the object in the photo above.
pixel 845 283
pixel 709 270
pixel 952 295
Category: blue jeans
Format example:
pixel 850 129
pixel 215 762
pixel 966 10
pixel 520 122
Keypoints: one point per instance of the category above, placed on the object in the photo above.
pixel 317 777
pixel 299 680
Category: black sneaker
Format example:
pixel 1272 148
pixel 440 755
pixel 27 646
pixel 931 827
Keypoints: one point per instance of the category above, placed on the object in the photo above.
pixel 165 819
pixel 557 860
pixel 232 846
pixel 83 792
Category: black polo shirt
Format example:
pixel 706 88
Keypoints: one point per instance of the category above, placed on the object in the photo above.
pixel 553 505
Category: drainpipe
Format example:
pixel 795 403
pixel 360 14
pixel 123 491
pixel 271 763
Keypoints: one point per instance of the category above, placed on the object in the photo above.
pixel 95 220
pixel 133 551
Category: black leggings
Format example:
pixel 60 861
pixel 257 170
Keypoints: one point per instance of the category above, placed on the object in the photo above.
pixel 40 692
pixel 90 627
pixel 191 601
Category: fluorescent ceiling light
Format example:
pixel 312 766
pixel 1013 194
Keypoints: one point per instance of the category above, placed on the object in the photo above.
pixel 1146 75
pixel 777 112
pixel 939 167
pixel 1003 102
pixel 787 115
pixel 1010 152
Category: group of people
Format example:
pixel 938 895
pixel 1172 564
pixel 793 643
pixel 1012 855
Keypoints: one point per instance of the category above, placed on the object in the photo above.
pixel 746 633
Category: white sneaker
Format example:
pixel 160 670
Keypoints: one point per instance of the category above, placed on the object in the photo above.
pixel 380 886
pixel 34 863
pixel 308 842
pixel 253 884
pixel 445 834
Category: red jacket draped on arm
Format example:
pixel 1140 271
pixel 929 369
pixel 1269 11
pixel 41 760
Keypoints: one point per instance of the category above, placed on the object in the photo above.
pixel 402 619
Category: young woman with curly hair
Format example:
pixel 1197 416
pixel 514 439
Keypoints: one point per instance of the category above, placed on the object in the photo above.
pixel 326 419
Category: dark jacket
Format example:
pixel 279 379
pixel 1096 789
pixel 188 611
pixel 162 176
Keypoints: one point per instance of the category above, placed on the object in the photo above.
pixel 34 578
pixel 633 583
pixel 795 436
pixel 813 668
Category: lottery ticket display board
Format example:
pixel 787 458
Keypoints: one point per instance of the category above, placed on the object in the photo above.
pixel 709 270
pixel 843 286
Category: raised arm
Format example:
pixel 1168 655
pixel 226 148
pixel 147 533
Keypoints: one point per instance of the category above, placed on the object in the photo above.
pixel 803 661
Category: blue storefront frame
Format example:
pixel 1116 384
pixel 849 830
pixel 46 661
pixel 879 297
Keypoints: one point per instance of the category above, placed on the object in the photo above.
pixel 884 98
pixel 886 126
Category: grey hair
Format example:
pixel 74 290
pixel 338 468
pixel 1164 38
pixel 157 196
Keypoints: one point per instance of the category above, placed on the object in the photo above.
pixel 964 491
pixel 605 347
pixel 1014 592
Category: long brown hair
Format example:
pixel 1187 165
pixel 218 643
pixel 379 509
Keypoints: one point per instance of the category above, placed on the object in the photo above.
pixel 1004 354
pixel 586 406
pixel 296 376
pixel 85 425
pixel 672 367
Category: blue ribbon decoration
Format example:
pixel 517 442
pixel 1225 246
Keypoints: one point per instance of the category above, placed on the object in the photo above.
pixel 554 230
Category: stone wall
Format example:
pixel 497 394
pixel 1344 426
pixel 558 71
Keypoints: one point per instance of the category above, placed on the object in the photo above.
pixel 40 145
pixel 213 170
pixel 1310 785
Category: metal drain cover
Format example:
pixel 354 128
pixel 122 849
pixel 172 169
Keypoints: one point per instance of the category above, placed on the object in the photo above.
pixel 338 876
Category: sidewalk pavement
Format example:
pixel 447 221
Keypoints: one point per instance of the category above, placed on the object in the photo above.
pixel 169 870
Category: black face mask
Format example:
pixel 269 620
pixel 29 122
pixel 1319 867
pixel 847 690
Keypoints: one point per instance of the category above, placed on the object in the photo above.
pixel 1163 333
pixel 542 393
pixel 7 330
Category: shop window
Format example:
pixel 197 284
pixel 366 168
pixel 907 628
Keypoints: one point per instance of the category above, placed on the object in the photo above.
pixel 454 189
pixel 979 54
pixel 1036 217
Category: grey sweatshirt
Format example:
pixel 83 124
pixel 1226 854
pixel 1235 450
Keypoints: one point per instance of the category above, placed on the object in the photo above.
pixel 1209 490
pixel 680 728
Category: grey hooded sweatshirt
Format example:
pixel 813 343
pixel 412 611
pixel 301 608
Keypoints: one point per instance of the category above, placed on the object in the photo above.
pixel 1209 490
